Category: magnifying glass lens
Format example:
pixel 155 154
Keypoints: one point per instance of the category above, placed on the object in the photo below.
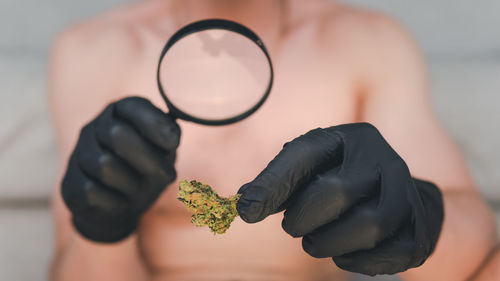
pixel 215 74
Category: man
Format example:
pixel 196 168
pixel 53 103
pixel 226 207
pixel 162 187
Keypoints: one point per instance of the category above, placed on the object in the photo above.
pixel 350 192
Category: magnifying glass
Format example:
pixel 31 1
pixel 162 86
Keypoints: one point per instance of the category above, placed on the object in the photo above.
pixel 214 72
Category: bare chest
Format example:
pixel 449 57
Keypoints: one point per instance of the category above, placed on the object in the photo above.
pixel 308 92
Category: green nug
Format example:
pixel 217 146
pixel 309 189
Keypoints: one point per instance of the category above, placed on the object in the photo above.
pixel 207 206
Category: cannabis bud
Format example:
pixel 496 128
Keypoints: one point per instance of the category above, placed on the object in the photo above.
pixel 207 206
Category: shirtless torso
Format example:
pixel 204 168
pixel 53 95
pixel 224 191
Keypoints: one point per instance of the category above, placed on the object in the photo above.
pixel 226 157
pixel 320 51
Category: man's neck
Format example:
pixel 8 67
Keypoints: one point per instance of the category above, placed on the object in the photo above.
pixel 265 17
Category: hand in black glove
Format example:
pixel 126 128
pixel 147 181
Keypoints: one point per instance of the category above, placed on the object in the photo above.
pixel 122 162
pixel 351 197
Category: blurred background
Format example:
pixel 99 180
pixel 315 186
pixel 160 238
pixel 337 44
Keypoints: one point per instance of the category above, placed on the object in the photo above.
pixel 460 38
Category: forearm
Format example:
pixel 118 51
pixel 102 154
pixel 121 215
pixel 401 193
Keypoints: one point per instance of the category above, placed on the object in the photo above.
pixel 490 270
pixel 468 235
pixel 84 260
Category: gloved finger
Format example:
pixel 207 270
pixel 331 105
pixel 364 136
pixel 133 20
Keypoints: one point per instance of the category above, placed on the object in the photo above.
pixel 294 167
pixel 366 225
pixel 128 145
pixel 393 203
pixel 426 196
pixel 390 257
pixel 103 166
pixel 84 195
pixel 361 228
pixel 328 196
pixel 150 121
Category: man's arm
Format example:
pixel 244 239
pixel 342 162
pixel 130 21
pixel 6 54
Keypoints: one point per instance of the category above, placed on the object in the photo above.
pixel 490 270
pixel 395 99
pixel 85 66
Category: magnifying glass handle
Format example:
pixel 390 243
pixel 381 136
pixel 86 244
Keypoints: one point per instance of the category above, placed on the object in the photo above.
pixel 175 114
pixel 172 115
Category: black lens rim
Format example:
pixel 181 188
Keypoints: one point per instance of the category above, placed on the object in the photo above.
pixel 207 25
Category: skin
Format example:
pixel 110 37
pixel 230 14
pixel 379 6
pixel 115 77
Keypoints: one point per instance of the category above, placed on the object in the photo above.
pixel 336 63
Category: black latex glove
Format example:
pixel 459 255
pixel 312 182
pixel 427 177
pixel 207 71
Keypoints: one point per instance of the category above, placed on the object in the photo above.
pixel 122 162
pixel 351 197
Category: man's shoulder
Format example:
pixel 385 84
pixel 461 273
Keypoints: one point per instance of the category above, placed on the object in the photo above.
pixel 115 32
pixel 356 27
pixel 369 41
pixel 101 50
